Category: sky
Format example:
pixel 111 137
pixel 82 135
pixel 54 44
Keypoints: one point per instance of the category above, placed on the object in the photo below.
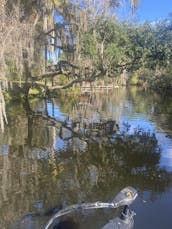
pixel 149 10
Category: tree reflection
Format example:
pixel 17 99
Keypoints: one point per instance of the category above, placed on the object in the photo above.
pixel 76 159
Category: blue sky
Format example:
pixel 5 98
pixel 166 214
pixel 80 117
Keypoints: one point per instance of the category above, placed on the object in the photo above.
pixel 149 10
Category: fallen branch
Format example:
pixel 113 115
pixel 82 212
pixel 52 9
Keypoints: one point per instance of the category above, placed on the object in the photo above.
pixel 45 75
pixel 80 80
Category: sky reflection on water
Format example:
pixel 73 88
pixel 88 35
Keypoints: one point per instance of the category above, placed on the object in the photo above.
pixel 46 161
pixel 125 115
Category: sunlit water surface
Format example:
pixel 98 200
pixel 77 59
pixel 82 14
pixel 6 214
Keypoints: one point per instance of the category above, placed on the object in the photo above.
pixel 51 156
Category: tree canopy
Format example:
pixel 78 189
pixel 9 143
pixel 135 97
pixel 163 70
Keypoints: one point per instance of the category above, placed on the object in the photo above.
pixel 85 34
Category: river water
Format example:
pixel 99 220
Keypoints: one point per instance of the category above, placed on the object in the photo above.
pixel 68 150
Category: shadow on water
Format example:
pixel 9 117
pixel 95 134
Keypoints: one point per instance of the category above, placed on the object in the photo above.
pixel 59 154
pixel 66 224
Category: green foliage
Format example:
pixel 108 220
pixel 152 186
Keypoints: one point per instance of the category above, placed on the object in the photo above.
pixel 142 49
pixel 89 43
pixel 62 79
pixel 104 43
pixel 34 91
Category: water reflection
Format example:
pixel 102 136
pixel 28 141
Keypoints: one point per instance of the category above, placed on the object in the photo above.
pixel 66 224
pixel 64 151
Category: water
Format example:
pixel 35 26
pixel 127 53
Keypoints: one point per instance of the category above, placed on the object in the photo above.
pixel 52 156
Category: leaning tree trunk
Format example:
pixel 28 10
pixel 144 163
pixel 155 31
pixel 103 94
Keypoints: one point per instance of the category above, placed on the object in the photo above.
pixel 3 118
